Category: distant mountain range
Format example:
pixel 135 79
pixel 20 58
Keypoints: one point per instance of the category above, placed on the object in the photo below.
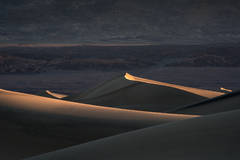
pixel 116 58
pixel 113 21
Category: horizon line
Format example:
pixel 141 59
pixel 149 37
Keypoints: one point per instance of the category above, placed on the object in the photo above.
pixel 74 44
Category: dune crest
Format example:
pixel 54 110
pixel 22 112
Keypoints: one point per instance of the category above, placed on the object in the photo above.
pixel 200 92
pixel 130 92
pixel 224 89
pixel 11 99
pixel 56 95
pixel 32 125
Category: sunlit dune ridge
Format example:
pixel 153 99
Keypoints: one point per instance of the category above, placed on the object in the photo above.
pixel 131 92
pixel 43 104
pixel 32 125
pixel 224 89
pixel 201 92
pixel 56 95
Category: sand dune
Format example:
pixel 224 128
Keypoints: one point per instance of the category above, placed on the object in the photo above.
pixel 132 92
pixel 214 137
pixel 33 125
pixel 228 102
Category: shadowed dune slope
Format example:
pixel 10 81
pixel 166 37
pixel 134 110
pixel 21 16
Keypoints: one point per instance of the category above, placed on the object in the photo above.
pixel 132 92
pixel 32 125
pixel 227 102
pixel 214 137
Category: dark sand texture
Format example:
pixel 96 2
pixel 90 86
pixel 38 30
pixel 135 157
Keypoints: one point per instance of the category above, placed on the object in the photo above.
pixel 32 125
pixel 214 137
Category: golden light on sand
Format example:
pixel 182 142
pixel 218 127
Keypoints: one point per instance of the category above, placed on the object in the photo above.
pixel 56 95
pixel 201 92
pixel 82 122
pixel 35 103
pixel 224 89
pixel 129 77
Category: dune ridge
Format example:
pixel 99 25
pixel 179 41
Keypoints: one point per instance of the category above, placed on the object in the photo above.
pixel 32 125
pixel 48 126
pixel 49 105
pixel 56 95
pixel 200 92
pixel 136 93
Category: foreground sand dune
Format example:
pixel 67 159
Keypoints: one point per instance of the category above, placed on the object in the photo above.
pixel 228 102
pixel 132 92
pixel 33 125
pixel 215 137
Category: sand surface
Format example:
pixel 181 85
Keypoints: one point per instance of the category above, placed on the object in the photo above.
pixel 123 118
pixel 137 93
pixel 32 125
pixel 200 92
pixel 228 102
pixel 214 137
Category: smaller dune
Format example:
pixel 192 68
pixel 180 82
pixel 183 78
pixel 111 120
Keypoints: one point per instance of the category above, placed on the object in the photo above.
pixel 137 93
pixel 227 102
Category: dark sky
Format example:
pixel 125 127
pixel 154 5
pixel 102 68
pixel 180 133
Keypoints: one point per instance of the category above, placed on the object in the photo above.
pixel 158 21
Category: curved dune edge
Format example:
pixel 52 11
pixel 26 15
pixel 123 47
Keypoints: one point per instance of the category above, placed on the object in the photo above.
pixel 108 87
pixel 125 92
pixel 122 93
pixel 32 125
pixel 25 101
pixel 189 139
pixel 225 89
pixel 56 95
pixel 200 92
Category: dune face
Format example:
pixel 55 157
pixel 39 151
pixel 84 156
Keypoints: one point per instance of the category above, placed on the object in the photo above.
pixel 210 137
pixel 32 125
pixel 115 127
pixel 132 92
pixel 223 103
